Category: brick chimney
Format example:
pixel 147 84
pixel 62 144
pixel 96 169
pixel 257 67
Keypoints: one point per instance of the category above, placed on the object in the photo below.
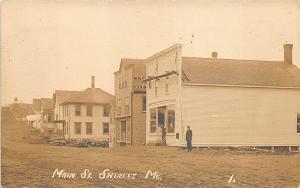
pixel 93 82
pixel 214 54
pixel 288 53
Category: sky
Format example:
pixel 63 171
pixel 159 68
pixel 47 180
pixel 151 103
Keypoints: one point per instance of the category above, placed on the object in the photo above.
pixel 60 44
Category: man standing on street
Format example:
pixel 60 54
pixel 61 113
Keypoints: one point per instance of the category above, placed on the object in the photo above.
pixel 188 137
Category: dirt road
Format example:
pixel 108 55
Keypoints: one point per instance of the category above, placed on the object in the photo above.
pixel 27 161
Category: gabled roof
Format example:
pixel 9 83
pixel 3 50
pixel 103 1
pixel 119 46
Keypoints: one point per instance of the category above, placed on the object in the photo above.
pixel 240 72
pixel 92 96
pixel 61 96
pixel 127 62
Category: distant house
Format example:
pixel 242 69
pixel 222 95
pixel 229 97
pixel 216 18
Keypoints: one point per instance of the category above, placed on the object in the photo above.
pixel 86 114
pixel 46 106
pixel 43 112
pixel 130 104
pixel 226 102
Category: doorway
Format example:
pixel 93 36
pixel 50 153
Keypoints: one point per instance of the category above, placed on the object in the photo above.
pixel 162 122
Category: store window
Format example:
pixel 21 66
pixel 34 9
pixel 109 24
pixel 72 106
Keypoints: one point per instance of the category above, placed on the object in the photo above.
pixel 171 119
pixel 153 120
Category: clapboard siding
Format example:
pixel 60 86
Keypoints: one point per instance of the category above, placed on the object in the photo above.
pixel 241 116
pixel 97 119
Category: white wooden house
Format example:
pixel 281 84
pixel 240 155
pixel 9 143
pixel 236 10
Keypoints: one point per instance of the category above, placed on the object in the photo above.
pixel 226 102
pixel 86 114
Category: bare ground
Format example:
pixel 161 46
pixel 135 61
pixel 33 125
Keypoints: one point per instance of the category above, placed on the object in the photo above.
pixel 28 161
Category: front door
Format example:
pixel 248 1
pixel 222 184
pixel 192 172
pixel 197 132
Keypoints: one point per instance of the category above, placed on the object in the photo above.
pixel 162 122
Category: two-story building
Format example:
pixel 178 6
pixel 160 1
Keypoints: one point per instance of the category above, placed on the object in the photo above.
pixel 226 102
pixel 86 114
pixel 130 104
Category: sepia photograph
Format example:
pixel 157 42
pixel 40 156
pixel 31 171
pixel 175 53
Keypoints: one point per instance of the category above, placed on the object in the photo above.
pixel 141 93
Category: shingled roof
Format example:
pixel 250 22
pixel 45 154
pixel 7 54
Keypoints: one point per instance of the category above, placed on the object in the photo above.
pixel 91 95
pixel 61 96
pixel 240 72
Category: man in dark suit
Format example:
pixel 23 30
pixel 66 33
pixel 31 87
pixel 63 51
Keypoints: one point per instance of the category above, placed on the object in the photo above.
pixel 188 137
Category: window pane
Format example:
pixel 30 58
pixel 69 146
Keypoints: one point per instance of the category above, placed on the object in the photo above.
pixel 153 120
pixel 298 118
pixel 126 109
pixel 161 116
pixel 77 110
pixel 89 110
pixel 89 128
pixel 171 119
pixel 106 110
pixel 105 128
pixel 119 110
pixel 77 128
pixel 123 130
pixel 118 131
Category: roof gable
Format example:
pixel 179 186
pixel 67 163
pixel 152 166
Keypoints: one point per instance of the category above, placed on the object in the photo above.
pixel 92 96
pixel 61 96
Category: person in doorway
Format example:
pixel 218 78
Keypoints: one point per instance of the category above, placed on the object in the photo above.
pixel 188 137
